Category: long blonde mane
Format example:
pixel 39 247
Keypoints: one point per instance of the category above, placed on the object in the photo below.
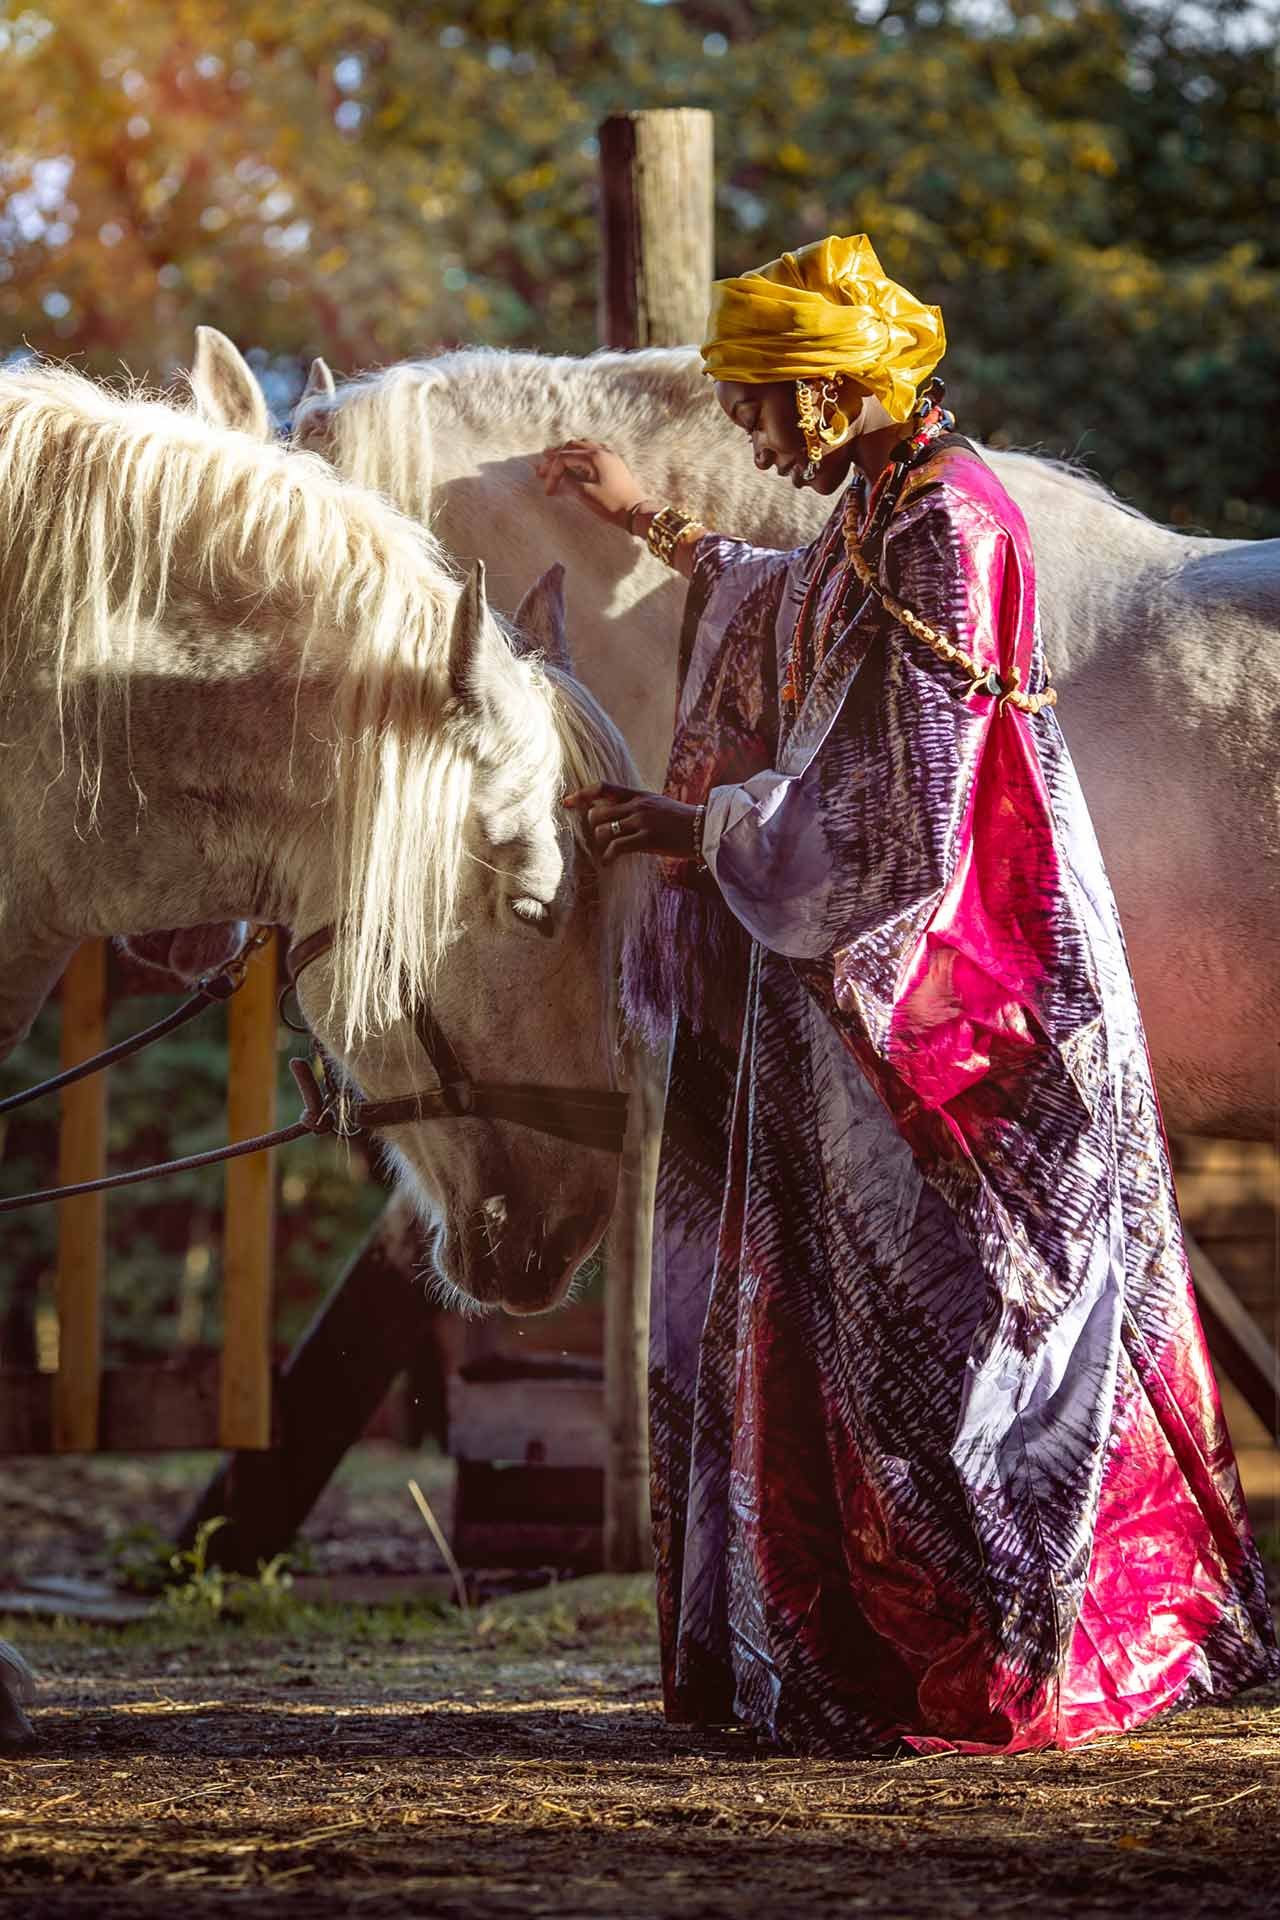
pixel 654 406
pixel 123 511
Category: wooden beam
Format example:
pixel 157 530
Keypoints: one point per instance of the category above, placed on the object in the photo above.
pixel 1239 1347
pixel 249 1225
pixel 377 1317
pixel 658 253
pixel 82 1148
pixel 142 1409
pixel 545 1423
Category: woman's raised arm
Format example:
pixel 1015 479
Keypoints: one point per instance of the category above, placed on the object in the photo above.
pixel 606 486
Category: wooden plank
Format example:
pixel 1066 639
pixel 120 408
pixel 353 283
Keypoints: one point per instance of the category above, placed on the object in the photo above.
pixel 1236 1341
pixel 508 1543
pixel 249 1226
pixel 82 1148
pixel 142 1409
pixel 1210 1153
pixel 549 1423
pixel 658 260
pixel 529 1516
pixel 57 1599
pixel 530 1544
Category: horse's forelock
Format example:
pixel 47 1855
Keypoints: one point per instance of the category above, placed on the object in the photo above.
pixel 592 752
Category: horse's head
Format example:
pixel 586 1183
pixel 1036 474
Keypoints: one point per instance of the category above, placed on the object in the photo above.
pixel 522 985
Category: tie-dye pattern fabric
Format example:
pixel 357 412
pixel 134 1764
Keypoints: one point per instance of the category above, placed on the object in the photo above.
pixel 938 1456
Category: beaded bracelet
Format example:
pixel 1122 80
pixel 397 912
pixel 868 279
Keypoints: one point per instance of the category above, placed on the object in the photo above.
pixel 699 822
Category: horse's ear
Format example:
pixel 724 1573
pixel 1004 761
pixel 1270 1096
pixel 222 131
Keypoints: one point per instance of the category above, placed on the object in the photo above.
pixel 321 384
pixel 540 618
pixel 225 391
pixel 477 652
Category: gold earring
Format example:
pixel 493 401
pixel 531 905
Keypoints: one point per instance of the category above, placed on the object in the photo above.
pixel 822 421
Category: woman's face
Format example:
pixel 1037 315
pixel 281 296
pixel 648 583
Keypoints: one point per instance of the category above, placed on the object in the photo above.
pixel 767 413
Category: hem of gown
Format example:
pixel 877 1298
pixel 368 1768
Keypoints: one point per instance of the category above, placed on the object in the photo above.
pixel 903 1744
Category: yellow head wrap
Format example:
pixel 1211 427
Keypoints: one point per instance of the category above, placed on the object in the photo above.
pixel 824 311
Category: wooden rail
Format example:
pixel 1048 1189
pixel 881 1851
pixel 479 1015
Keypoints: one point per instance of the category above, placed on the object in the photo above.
pixel 82 1252
pixel 79 1408
pixel 249 1217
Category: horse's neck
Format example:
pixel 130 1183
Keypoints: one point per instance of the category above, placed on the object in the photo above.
pixel 625 608
pixel 1094 562
pixel 206 807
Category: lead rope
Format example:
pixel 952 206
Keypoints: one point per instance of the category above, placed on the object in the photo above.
pixel 317 1117
pixel 211 989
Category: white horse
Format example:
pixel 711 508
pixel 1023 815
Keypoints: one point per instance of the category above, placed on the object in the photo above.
pixel 1166 648
pixel 234 686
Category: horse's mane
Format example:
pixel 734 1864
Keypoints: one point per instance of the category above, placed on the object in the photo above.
pixel 650 404
pixel 119 507
pixel 1069 474
pixel 656 406
pixel 605 391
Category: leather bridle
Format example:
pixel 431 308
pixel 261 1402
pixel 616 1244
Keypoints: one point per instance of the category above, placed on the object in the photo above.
pixel 587 1118
pixel 581 1115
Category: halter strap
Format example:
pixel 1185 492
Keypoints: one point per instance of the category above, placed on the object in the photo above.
pixel 586 1118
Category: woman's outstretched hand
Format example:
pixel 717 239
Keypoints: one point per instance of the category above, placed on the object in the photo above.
pixel 625 820
pixel 594 474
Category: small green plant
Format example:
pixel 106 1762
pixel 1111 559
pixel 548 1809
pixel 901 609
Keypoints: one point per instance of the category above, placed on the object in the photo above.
pixel 193 1588
pixel 141 1559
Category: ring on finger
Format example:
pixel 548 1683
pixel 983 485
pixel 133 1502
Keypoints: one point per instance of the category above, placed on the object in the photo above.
pixel 615 828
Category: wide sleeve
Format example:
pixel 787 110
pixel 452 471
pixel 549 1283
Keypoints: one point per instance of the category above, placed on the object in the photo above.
pixel 860 834
pixel 726 713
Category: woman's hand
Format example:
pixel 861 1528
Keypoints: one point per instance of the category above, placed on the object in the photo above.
pixel 601 479
pixel 623 820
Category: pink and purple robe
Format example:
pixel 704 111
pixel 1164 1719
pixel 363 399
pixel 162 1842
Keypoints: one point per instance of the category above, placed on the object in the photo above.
pixel 938 1457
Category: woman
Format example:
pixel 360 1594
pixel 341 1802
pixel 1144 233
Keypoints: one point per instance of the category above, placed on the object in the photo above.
pixel 938 1457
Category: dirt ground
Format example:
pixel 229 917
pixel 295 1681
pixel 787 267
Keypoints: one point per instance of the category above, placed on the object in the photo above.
pixel 313 1761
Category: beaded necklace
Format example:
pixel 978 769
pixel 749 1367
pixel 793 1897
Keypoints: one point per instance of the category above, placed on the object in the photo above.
pixel 873 510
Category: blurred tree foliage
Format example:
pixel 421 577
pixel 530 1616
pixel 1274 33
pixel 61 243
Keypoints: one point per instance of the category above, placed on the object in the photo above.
pixel 1089 188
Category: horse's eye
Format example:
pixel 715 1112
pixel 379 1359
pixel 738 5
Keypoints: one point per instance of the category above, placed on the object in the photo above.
pixel 534 913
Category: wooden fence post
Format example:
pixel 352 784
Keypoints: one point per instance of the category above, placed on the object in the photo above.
pixel 657 211
pixel 82 1151
pixel 657 208
pixel 244 1415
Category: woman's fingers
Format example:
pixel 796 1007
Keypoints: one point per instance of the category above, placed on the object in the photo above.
pixel 560 466
pixel 602 790
pixel 608 823
pixel 625 843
